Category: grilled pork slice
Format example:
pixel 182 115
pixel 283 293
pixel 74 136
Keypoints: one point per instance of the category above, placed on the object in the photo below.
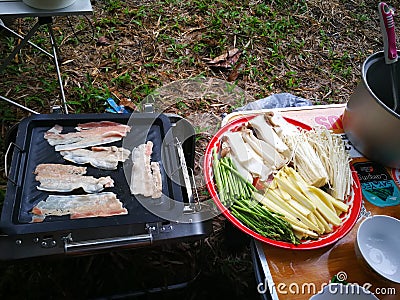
pixel 88 134
pixel 66 178
pixel 146 176
pixel 79 206
pixel 106 158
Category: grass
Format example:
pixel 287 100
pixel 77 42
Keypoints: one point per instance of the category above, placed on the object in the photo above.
pixel 243 26
pixel 89 97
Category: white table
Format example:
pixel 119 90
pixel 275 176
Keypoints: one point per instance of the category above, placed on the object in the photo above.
pixel 17 9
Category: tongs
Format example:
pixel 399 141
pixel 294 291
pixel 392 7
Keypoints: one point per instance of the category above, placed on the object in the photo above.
pixel 389 39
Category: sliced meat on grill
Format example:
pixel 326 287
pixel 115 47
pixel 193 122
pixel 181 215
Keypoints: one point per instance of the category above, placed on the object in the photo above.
pixel 66 178
pixel 105 158
pixel 146 176
pixel 141 170
pixel 91 125
pixel 88 134
pixel 79 206
pixel 157 180
pixel 54 170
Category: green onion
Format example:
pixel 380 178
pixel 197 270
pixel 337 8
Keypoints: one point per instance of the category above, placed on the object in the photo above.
pixel 236 193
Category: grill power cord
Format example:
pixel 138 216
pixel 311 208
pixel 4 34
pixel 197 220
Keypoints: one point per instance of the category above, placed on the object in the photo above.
pixel 77 34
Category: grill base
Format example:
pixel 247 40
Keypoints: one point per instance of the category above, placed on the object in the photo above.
pixel 90 241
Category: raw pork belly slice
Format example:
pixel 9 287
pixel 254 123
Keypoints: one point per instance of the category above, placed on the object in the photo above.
pixel 106 158
pixel 66 178
pixel 79 206
pixel 156 178
pixel 58 170
pixel 88 134
pixel 91 125
pixel 146 175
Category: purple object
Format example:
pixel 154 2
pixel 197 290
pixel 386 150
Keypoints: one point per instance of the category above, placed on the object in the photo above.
pixel 390 52
pixel 388 32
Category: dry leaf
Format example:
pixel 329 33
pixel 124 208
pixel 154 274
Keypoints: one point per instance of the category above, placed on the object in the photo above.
pixel 226 60
pixel 235 72
pixel 103 41
pixel 127 103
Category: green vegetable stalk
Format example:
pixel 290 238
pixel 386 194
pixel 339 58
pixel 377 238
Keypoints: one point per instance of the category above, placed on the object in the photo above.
pixel 236 193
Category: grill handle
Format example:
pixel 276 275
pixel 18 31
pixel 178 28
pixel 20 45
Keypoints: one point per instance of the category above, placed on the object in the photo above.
pixel 71 247
pixel 6 156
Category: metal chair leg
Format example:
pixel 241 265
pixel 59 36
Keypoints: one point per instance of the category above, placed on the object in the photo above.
pixel 17 48
pixel 55 58
pixel 21 37
pixel 18 105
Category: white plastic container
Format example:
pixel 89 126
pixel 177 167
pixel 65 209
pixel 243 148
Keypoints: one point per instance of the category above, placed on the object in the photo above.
pixel 49 4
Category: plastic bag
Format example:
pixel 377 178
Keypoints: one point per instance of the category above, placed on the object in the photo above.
pixel 276 101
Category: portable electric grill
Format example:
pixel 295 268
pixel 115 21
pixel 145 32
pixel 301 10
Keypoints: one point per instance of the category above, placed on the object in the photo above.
pixel 171 135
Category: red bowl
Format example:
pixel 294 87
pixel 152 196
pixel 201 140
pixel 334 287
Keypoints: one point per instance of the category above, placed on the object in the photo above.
pixel 348 219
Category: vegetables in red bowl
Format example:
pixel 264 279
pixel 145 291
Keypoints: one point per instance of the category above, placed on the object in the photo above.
pixel 348 218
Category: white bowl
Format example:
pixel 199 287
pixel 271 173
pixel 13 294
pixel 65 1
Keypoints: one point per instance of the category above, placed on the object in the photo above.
pixel 378 243
pixel 49 4
pixel 336 291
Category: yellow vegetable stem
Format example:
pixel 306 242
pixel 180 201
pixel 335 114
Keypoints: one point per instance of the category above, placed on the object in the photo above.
pixel 316 198
pixel 284 184
pixel 293 174
pixel 325 211
pixel 285 206
pixel 285 196
pixel 339 205
pixel 300 208
pixel 335 202
pixel 323 222
pixel 273 207
pixel 304 233
pixel 315 221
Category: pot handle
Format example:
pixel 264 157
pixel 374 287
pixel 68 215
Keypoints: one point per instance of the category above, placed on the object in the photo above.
pixel 9 152
pixel 388 32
